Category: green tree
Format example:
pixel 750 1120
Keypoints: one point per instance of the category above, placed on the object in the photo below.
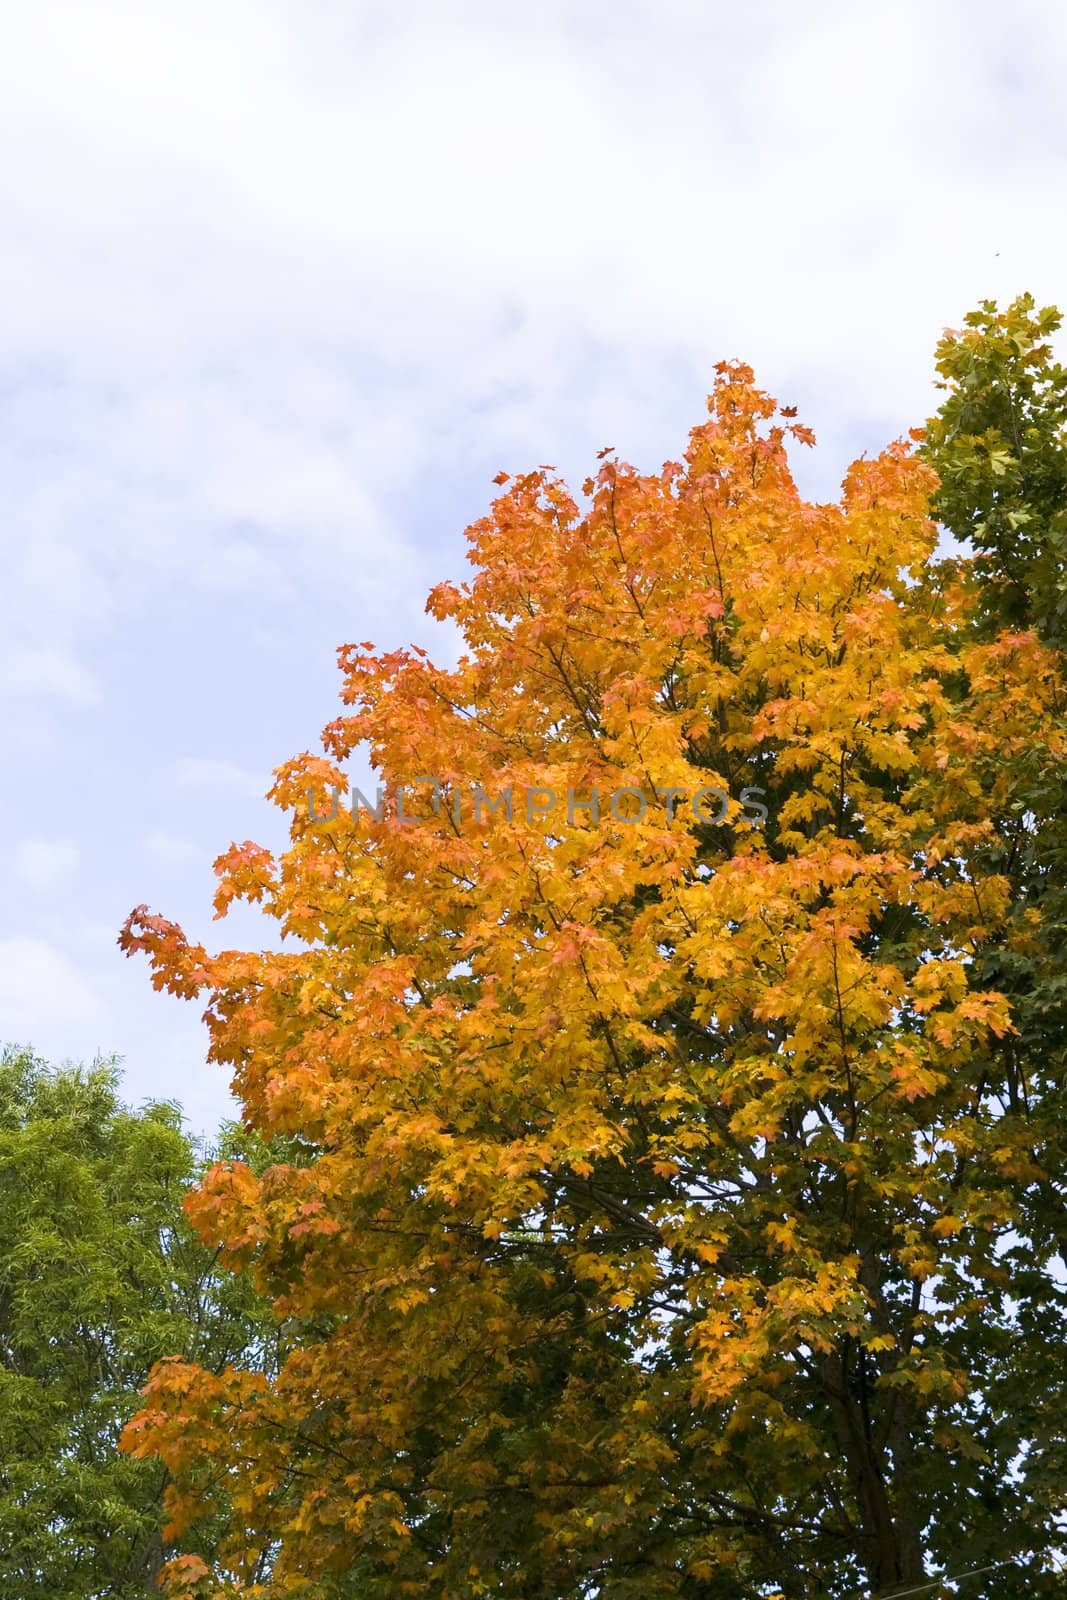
pixel 999 446
pixel 100 1277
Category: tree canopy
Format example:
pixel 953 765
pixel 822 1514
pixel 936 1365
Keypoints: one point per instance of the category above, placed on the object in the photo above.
pixel 679 1186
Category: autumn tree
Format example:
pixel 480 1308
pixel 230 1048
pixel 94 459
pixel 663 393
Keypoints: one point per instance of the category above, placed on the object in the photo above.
pixel 100 1276
pixel 663 1227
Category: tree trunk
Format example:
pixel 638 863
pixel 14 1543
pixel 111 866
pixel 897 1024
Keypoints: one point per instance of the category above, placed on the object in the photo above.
pixel 889 1544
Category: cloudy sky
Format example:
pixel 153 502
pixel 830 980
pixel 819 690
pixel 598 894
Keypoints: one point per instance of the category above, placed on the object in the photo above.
pixel 282 286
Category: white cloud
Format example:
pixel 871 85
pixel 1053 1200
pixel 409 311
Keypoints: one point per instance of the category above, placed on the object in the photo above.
pixel 43 863
pixel 205 772
pixel 171 847
pixel 44 998
pixel 48 673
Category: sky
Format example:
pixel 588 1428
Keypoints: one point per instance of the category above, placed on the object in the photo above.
pixel 283 286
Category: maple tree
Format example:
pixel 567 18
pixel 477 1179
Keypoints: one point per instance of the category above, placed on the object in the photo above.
pixel 664 1218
